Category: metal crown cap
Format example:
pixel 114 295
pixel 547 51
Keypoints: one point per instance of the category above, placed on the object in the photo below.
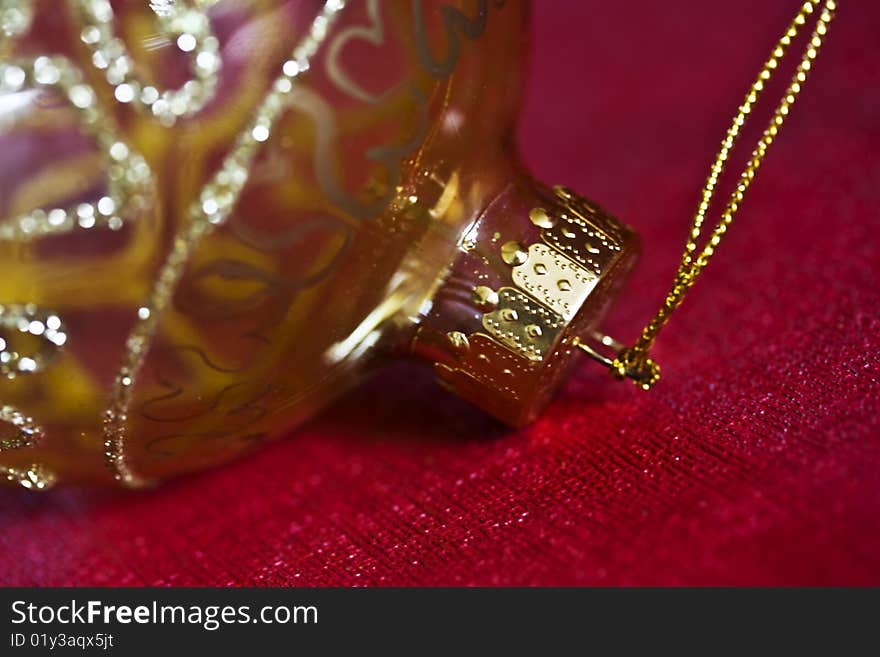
pixel 534 273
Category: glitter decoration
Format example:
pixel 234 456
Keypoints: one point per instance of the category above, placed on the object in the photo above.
pixel 34 477
pixel 16 17
pixel 27 432
pixel 28 319
pixel 212 208
pixel 129 178
pixel 190 31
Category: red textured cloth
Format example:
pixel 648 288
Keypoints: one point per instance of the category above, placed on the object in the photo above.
pixel 755 461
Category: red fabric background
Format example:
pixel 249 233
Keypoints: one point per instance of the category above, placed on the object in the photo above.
pixel 755 461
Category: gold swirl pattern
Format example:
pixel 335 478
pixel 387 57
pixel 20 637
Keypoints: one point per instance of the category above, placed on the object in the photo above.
pixel 374 33
pixel 44 72
pixel 212 208
pixel 326 163
pixel 130 187
pixel 457 25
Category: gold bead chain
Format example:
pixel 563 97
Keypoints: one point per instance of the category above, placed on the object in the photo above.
pixel 634 361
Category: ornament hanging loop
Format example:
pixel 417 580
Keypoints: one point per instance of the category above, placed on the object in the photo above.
pixel 644 373
pixel 634 362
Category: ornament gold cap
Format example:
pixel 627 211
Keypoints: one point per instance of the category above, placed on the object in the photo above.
pixel 534 274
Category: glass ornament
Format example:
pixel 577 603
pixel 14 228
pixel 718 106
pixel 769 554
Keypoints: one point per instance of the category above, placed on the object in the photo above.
pixel 217 216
